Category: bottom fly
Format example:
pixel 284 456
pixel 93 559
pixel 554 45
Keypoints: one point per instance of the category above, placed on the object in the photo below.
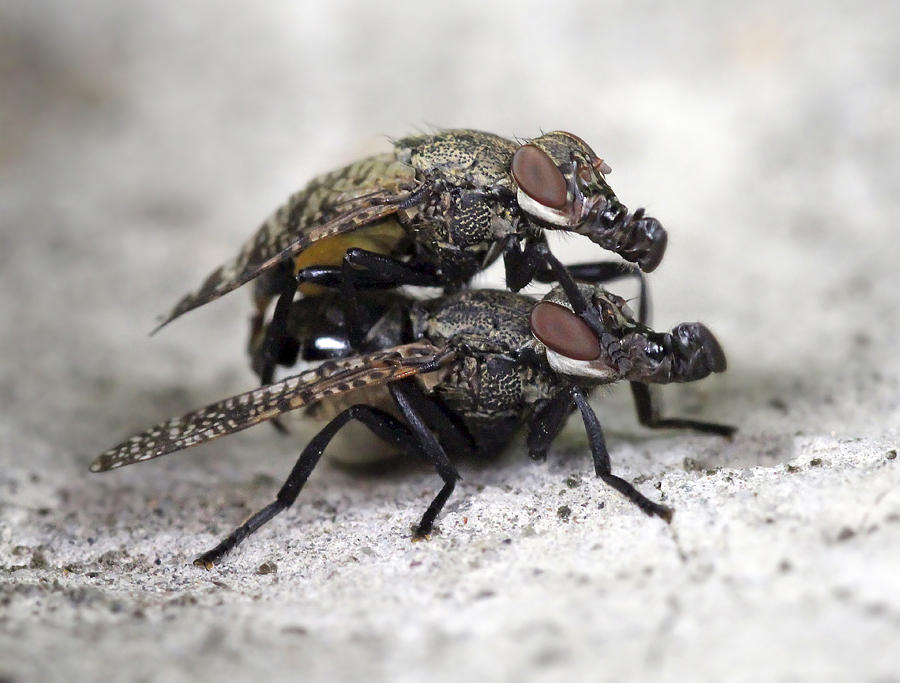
pixel 458 374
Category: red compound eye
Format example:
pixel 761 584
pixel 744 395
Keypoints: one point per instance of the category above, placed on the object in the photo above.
pixel 560 330
pixel 538 177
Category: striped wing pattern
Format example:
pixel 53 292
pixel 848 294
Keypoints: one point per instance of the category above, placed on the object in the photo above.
pixel 266 403
pixel 273 244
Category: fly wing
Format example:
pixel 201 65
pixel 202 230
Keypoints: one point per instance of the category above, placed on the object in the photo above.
pixel 266 403
pixel 333 204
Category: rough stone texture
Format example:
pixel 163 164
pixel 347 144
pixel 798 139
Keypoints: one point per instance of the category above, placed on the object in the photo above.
pixel 140 143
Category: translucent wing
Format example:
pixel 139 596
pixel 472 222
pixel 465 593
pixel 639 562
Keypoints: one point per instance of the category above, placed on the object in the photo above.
pixel 333 204
pixel 266 403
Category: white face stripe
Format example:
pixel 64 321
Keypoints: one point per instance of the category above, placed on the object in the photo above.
pixel 593 369
pixel 538 210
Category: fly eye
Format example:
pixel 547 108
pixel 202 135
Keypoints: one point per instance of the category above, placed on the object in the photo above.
pixel 560 330
pixel 538 177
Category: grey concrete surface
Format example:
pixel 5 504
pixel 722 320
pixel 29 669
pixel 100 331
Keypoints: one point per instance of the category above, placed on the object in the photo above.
pixel 140 143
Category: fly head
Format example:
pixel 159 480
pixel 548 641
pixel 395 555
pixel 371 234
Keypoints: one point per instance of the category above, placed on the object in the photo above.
pixel 562 183
pixel 625 349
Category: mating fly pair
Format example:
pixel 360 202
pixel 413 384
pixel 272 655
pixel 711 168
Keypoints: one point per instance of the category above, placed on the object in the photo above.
pixel 462 372
pixel 435 212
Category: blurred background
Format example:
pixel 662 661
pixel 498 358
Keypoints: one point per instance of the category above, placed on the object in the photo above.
pixel 141 143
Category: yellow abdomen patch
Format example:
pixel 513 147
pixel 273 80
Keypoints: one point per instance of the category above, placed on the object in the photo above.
pixel 381 238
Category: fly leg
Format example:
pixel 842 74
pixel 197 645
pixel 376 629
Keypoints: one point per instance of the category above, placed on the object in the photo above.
pixel 454 438
pixel 597 273
pixel 379 422
pixel 539 253
pixel 602 272
pixel 283 283
pixel 648 412
pixel 648 415
pixel 409 398
pixel 534 261
pixel 360 270
pixel 548 421
pixel 607 271
pixel 602 464
pixel 579 305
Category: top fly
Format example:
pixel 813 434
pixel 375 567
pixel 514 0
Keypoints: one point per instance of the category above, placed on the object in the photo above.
pixel 434 212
